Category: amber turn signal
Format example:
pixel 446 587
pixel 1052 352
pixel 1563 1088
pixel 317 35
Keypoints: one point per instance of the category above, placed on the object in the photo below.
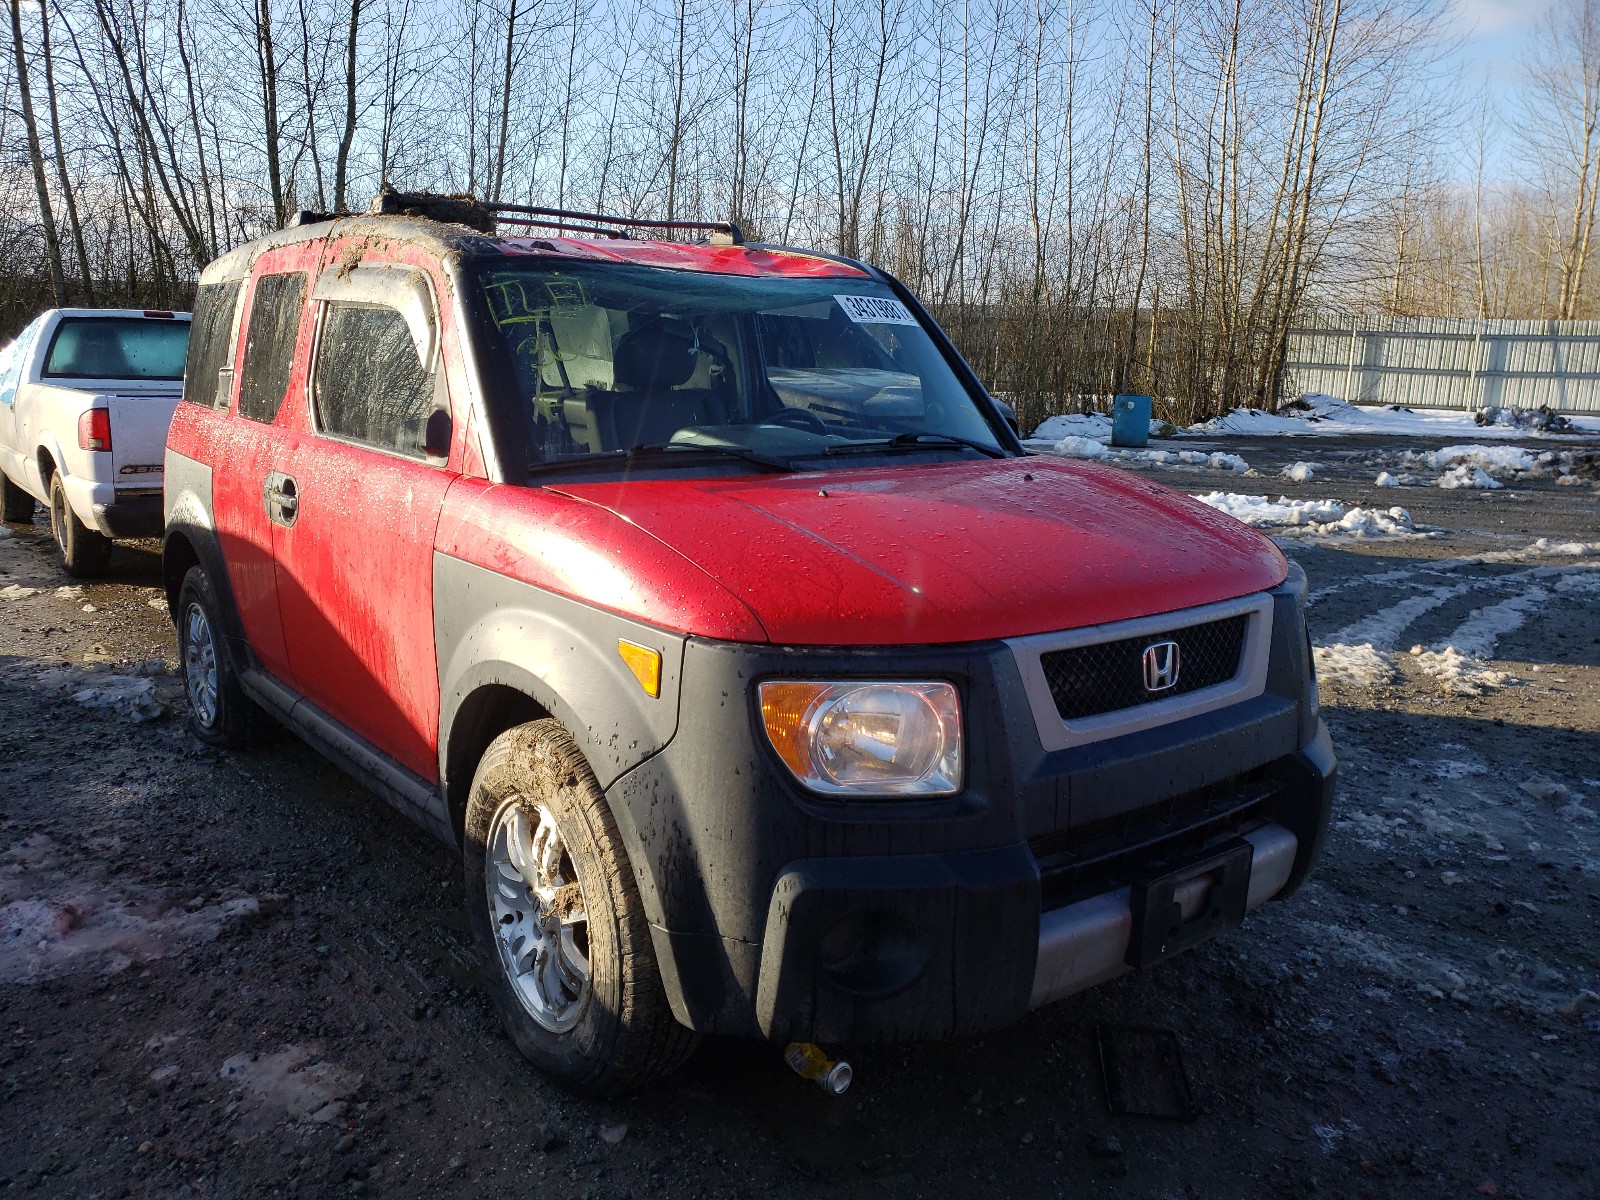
pixel 645 664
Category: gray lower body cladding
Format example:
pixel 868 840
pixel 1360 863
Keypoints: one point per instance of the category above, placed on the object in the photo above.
pixel 790 916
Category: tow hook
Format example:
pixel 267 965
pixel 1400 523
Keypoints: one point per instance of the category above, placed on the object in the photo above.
pixel 809 1062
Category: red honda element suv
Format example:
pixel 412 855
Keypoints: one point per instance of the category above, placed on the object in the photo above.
pixel 703 598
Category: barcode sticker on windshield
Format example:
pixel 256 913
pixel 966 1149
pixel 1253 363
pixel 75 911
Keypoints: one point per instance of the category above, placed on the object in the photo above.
pixel 875 310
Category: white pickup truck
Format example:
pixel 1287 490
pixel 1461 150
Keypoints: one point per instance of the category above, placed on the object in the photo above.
pixel 86 395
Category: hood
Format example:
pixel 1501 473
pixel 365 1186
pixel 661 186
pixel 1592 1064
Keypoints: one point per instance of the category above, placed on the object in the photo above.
pixel 946 552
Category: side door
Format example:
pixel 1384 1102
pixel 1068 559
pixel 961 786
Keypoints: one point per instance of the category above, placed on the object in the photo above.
pixel 13 369
pixel 252 455
pixel 355 564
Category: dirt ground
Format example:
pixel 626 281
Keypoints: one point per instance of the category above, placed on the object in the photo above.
pixel 241 975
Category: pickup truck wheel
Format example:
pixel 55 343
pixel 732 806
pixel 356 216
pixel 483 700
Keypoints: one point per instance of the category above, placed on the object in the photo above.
pixel 85 552
pixel 15 504
pixel 220 714
pixel 558 921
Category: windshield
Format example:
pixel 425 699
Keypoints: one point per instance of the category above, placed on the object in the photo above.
pixel 118 348
pixel 605 359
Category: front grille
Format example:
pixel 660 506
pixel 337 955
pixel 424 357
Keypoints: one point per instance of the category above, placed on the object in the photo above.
pixel 1086 681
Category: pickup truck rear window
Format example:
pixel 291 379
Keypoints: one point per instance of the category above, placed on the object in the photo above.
pixel 118 348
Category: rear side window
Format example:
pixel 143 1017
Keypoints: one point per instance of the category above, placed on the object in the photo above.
pixel 118 348
pixel 269 347
pixel 210 342
pixel 370 383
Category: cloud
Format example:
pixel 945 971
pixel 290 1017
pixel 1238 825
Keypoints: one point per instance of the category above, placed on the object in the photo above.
pixel 1480 17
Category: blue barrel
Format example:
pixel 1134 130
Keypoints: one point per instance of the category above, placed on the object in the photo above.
pixel 1130 421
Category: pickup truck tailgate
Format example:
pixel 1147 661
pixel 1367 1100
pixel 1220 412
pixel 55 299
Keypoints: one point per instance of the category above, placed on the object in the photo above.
pixel 139 423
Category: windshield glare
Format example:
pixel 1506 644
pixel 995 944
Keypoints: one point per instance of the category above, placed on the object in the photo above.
pixel 610 358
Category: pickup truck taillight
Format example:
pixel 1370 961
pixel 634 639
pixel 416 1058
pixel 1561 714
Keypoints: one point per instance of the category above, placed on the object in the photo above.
pixel 94 429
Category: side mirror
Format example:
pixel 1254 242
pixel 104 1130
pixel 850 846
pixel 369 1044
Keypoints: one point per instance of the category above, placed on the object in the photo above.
pixel 436 434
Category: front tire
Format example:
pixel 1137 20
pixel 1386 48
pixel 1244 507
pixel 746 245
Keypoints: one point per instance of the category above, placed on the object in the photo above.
pixel 220 714
pixel 558 921
pixel 16 505
pixel 85 552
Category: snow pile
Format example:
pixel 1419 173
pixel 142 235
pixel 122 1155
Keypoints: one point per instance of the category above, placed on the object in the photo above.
pixel 1385 479
pixel 1300 472
pixel 132 696
pixel 1540 419
pixel 1495 460
pixel 1320 517
pixel 1361 665
pixel 1314 414
pixel 1466 475
pixel 1093 425
pixel 1458 674
pixel 1073 446
pixel 1545 547
pixel 1460 665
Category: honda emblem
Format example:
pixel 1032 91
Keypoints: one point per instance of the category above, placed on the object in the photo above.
pixel 1160 666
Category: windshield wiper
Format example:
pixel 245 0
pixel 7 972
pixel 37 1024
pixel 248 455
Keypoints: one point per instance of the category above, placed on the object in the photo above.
pixel 913 441
pixel 636 454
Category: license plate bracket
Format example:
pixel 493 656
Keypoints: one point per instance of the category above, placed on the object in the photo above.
pixel 1159 927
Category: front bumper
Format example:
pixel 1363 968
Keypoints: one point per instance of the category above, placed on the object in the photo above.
pixel 783 915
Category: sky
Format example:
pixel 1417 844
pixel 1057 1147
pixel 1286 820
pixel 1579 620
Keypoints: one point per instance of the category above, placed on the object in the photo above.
pixel 1493 35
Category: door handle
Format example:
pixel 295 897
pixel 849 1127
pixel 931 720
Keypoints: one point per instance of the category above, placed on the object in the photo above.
pixel 282 498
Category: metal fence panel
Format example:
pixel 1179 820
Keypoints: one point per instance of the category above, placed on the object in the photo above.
pixel 1448 362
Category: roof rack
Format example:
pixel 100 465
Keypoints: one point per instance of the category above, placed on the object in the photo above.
pixel 729 231
pixel 484 215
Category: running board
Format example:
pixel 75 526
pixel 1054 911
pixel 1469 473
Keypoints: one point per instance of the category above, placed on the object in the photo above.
pixel 400 787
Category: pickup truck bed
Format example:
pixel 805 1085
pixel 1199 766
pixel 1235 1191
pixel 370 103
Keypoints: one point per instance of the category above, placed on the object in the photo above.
pixel 86 396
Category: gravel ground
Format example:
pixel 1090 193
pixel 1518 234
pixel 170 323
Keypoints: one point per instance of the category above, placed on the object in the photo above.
pixel 241 975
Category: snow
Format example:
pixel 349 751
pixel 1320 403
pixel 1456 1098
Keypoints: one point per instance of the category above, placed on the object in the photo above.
pixel 1546 547
pixel 1386 480
pixel 1362 665
pixel 1318 517
pixel 1092 425
pixel 1459 674
pixel 15 591
pixel 1476 636
pixel 1496 460
pixel 1318 415
pixel 1467 476
pixel 1074 446
pixel 1300 472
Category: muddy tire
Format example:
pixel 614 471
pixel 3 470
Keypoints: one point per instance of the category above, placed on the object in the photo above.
pixel 15 504
pixel 558 922
pixel 220 714
pixel 85 552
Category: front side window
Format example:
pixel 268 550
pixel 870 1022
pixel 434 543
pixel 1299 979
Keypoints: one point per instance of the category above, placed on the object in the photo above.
pixel 118 348
pixel 275 311
pixel 210 342
pixel 606 360
pixel 12 359
pixel 370 384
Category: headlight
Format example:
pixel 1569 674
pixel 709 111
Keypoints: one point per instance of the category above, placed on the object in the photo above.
pixel 856 738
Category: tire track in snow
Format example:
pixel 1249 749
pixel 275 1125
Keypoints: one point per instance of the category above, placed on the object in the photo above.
pixel 1362 653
